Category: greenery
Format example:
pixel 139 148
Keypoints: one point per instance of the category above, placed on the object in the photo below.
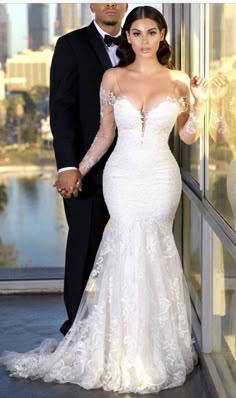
pixel 8 255
pixel 3 196
pixel 3 133
pixel 29 155
pixel 21 114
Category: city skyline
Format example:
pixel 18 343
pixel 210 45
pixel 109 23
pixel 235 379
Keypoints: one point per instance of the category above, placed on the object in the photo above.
pixel 18 18
pixel 4 33
pixel 38 24
pixel 67 18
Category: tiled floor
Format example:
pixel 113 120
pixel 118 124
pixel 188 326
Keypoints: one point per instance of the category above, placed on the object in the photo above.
pixel 27 319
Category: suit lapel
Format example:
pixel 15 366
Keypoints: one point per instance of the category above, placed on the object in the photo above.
pixel 98 46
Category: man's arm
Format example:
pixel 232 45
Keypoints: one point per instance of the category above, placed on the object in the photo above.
pixel 63 101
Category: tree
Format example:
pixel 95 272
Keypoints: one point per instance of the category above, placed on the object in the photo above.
pixel 3 113
pixel 8 255
pixel 13 104
pixel 3 196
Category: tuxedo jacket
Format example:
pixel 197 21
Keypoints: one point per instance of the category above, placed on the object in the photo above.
pixel 79 62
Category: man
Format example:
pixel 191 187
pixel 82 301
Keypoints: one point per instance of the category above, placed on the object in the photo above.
pixel 80 59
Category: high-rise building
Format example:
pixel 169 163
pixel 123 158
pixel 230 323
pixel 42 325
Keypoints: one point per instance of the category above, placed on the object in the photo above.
pixel 86 14
pixel 4 34
pixel 2 85
pixel 67 18
pixel 38 29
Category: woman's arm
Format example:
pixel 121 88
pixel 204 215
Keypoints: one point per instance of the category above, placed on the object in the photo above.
pixel 63 101
pixel 107 130
pixel 190 120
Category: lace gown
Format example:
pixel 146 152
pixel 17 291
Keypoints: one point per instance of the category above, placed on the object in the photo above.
pixel 132 332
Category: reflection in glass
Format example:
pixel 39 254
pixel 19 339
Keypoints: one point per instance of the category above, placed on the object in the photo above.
pixel 224 315
pixel 190 154
pixel 222 112
pixel 192 250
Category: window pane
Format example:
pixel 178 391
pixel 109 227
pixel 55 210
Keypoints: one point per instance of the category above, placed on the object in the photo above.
pixel 192 250
pixel 222 111
pixel 224 315
pixel 190 155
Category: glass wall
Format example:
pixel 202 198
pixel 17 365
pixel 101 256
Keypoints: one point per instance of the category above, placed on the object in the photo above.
pixel 192 250
pixel 208 218
pixel 224 315
pixel 190 63
pixel 221 120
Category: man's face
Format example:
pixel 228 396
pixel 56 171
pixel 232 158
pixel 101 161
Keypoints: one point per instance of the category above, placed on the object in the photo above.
pixel 109 14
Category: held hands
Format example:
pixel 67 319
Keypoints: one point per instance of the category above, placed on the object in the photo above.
pixel 68 183
pixel 199 89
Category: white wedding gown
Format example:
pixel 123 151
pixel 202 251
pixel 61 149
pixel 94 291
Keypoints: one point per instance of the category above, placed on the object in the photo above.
pixel 132 332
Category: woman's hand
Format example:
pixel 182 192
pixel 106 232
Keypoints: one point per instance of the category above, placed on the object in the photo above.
pixel 199 89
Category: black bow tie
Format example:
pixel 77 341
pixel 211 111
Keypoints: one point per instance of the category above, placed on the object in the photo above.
pixel 110 39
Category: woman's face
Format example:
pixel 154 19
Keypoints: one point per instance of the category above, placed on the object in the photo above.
pixel 145 37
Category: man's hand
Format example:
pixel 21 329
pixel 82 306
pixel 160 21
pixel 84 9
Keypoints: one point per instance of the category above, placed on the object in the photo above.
pixel 69 182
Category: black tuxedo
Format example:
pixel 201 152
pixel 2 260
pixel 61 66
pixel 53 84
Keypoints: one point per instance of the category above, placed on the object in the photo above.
pixel 78 64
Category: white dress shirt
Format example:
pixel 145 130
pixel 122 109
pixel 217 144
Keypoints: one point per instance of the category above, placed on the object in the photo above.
pixel 111 51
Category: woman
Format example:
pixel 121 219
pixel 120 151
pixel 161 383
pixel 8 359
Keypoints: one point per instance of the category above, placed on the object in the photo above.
pixel 132 332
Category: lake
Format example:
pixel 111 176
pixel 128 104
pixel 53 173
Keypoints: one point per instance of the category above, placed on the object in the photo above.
pixel 33 227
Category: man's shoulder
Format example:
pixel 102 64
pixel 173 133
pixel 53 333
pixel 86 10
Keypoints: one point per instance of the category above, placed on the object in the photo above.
pixel 77 34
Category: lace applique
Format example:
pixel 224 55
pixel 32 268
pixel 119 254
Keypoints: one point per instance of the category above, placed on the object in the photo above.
pixel 184 104
pixel 106 98
pixel 217 121
pixel 89 161
pixel 105 134
pixel 195 121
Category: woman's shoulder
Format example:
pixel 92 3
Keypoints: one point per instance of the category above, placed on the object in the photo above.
pixel 180 76
pixel 112 74
pixel 112 77
pixel 181 82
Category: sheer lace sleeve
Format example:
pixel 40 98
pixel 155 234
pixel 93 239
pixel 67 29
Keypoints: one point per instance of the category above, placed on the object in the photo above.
pixel 191 115
pixel 195 117
pixel 106 132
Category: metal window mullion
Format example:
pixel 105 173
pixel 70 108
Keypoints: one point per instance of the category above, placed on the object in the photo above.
pixel 207 286
pixel 207 233
pixel 203 69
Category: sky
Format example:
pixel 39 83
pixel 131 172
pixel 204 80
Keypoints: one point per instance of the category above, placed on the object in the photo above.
pixel 18 18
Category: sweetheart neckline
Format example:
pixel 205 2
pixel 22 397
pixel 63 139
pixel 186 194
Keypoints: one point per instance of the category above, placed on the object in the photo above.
pixel 168 98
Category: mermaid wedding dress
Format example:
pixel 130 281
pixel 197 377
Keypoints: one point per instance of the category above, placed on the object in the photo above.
pixel 132 332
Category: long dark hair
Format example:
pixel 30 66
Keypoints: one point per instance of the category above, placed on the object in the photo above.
pixel 125 51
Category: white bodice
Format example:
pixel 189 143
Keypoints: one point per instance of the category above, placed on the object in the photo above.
pixel 154 124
